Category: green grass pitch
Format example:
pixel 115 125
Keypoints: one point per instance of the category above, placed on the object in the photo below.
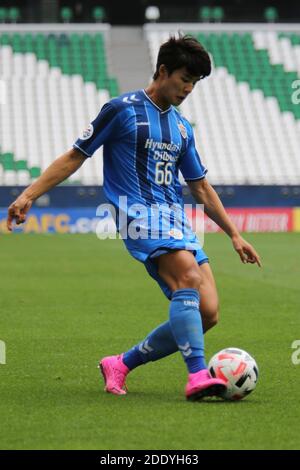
pixel 67 300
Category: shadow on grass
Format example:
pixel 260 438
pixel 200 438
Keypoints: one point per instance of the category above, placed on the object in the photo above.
pixel 167 398
pixel 216 401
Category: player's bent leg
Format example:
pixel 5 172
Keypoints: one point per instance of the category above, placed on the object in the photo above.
pixel 160 343
pixel 209 302
pixel 186 280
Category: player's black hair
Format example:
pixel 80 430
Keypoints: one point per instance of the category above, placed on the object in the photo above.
pixel 184 51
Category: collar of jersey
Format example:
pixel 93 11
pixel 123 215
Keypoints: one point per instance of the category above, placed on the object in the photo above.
pixel 157 107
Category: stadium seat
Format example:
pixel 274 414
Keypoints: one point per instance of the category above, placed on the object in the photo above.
pixel 152 14
pixel 99 14
pixel 217 14
pixel 3 15
pixel 66 14
pixel 205 14
pixel 271 14
pixel 13 14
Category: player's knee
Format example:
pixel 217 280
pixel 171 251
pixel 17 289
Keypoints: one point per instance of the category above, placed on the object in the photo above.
pixel 190 279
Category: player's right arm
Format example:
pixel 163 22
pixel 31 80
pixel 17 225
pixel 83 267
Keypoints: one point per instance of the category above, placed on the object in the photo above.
pixel 104 128
pixel 58 171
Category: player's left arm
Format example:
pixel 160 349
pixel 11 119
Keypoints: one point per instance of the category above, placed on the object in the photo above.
pixel 205 194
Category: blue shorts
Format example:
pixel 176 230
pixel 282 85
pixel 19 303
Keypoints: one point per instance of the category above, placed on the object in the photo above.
pixel 147 251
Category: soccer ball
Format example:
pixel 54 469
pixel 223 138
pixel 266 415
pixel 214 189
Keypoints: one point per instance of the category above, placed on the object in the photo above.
pixel 238 369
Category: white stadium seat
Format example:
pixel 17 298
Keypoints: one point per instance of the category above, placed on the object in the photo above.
pixel 243 136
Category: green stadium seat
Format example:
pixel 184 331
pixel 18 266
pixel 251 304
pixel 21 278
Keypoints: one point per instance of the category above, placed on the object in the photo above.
pixel 35 172
pixel 271 14
pixel 3 15
pixel 14 14
pixel 99 14
pixel 205 14
pixel 4 39
pixel 66 14
pixel 8 166
pixel 21 165
pixel 7 158
pixel 40 39
pixel 113 87
pixel 217 14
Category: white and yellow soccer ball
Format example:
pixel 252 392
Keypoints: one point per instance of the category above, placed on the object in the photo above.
pixel 238 369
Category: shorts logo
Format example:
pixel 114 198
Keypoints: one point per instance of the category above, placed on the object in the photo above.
pixel 88 132
pixel 183 130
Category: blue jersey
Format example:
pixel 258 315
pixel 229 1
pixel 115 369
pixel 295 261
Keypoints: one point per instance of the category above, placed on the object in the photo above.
pixel 144 148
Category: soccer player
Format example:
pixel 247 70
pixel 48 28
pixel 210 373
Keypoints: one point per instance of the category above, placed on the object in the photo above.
pixel 146 142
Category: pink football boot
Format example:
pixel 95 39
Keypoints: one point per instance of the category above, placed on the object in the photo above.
pixel 201 384
pixel 114 373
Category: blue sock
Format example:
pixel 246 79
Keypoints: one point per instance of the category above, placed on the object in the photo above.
pixel 158 344
pixel 186 326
